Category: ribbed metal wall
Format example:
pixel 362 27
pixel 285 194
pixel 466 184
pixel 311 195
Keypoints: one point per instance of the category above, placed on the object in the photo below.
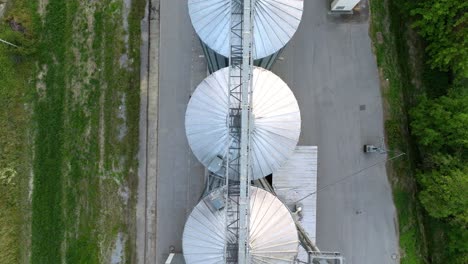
pixel 216 61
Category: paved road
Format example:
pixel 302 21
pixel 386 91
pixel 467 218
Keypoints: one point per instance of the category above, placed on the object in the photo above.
pixel 332 71
pixel 180 177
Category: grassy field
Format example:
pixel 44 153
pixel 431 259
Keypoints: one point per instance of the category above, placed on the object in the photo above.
pixel 396 64
pixel 15 140
pixel 84 85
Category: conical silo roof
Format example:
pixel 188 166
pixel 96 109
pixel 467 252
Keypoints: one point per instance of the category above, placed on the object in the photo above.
pixel 276 122
pixel 273 236
pixel 275 22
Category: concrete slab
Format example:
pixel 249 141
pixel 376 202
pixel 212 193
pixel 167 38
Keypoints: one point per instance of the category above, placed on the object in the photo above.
pixel 330 67
pixel 147 171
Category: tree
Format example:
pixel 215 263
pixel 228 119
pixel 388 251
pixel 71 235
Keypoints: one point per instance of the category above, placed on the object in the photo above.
pixel 444 192
pixel 444 24
pixel 457 244
pixel 441 125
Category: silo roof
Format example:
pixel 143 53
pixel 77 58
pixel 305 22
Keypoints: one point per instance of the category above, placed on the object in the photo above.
pixel 273 235
pixel 276 121
pixel 275 22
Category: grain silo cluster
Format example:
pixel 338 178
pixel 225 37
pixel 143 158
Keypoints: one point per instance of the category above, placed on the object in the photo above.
pixel 275 123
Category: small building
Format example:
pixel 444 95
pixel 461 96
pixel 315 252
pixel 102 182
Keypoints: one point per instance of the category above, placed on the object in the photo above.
pixel 343 5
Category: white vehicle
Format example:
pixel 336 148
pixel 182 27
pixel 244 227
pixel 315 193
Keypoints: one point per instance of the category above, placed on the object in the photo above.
pixel 371 148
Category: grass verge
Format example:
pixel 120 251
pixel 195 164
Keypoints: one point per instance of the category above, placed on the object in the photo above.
pixel 390 35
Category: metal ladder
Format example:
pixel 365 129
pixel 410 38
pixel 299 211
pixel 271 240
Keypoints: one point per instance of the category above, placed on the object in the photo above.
pixel 237 161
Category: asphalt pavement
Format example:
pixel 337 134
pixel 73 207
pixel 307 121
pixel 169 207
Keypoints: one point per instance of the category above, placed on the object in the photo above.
pixel 330 67
pixel 180 177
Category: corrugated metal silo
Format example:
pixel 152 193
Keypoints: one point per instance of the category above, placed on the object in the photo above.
pixel 273 235
pixel 216 62
pixel 276 122
pixel 275 22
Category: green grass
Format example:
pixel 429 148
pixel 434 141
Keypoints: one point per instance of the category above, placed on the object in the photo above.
pixel 77 211
pixel 14 157
pixel 410 235
pixel 399 92
pixel 15 154
pixel 47 202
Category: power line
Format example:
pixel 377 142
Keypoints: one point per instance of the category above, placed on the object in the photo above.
pixel 351 175
pixel 8 43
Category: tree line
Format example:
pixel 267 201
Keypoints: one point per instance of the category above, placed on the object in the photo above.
pixel 439 119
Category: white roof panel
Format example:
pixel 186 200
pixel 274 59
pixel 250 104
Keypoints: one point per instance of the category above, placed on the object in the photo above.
pixel 296 179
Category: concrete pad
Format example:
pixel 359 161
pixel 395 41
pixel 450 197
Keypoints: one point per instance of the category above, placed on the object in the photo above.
pixel 330 67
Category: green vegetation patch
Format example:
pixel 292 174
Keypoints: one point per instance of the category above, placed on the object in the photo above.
pixel 86 112
pixel 410 235
pixel 15 154
pixel 422 50
pixel 47 218
pixel 389 39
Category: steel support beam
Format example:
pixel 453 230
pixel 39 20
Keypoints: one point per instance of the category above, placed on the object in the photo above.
pixel 237 160
pixel 245 168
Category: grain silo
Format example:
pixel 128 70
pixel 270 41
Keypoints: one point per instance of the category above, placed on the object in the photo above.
pixel 276 122
pixel 275 22
pixel 273 236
